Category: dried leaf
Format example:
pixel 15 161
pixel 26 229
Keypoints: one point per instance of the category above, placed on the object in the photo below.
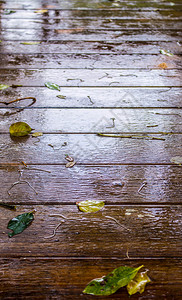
pixel 176 160
pixel 8 206
pixel 36 134
pixel 4 86
pixel 70 164
pixel 90 206
pixel 41 11
pixel 138 283
pixel 163 66
pixel 166 52
pixel 30 43
pixel 52 86
pixel 20 129
pixel 20 223
pixel 61 96
pixel 113 281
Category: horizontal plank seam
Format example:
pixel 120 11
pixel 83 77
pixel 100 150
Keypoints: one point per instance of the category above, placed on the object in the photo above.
pixel 94 107
pixel 24 257
pixel 93 165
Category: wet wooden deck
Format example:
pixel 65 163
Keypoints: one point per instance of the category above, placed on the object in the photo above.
pixel 106 57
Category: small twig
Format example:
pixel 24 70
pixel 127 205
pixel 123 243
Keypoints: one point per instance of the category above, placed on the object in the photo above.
pixel 127 254
pixel 117 222
pixel 142 186
pixel 8 206
pixel 90 99
pixel 20 99
pixel 35 169
pixel 55 229
pixel 113 121
pixel 20 182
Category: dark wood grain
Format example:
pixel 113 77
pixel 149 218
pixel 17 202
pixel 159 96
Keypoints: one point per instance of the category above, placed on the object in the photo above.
pixel 111 61
pixel 146 231
pixel 131 14
pixel 91 23
pixel 77 34
pixel 112 184
pixel 92 47
pixel 63 278
pixel 94 4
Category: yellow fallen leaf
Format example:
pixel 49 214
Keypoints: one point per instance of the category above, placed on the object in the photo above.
pixel 163 66
pixel 36 134
pixel 41 11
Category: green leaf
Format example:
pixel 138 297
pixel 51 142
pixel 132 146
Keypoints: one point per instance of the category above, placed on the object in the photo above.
pixel 138 283
pixel 4 86
pixel 30 43
pixel 90 206
pixel 61 96
pixel 166 52
pixel 113 281
pixel 20 223
pixel 8 11
pixel 52 86
pixel 19 129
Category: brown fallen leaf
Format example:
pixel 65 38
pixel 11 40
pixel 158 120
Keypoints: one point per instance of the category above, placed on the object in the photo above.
pixel 163 65
pixel 70 164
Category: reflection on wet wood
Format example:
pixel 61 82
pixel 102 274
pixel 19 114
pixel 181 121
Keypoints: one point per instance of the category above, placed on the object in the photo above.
pixel 112 184
pixel 146 232
pixel 80 97
pixel 111 61
pixel 49 276
pixel 92 77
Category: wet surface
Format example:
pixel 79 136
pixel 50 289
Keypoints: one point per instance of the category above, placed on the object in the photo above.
pixel 119 115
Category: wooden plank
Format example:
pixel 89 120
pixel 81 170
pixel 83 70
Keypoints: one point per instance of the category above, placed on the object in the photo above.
pixel 91 47
pixel 78 97
pixel 112 184
pixel 93 4
pixel 111 61
pixel 92 78
pixel 81 34
pixel 145 231
pixel 91 23
pixel 89 149
pixel 96 120
pixel 66 278
pixel 96 13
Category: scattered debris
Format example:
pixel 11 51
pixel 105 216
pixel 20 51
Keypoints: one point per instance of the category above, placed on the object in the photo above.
pixel 8 206
pixel 130 136
pixel 8 11
pixel 37 134
pixel 30 43
pixel 61 96
pixel 163 66
pixel 90 206
pixel 41 11
pixel 3 87
pixel 113 123
pixel 20 223
pixel 20 181
pixel 166 52
pixel 142 186
pixel 71 161
pixel 117 222
pixel 90 99
pixel 55 229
